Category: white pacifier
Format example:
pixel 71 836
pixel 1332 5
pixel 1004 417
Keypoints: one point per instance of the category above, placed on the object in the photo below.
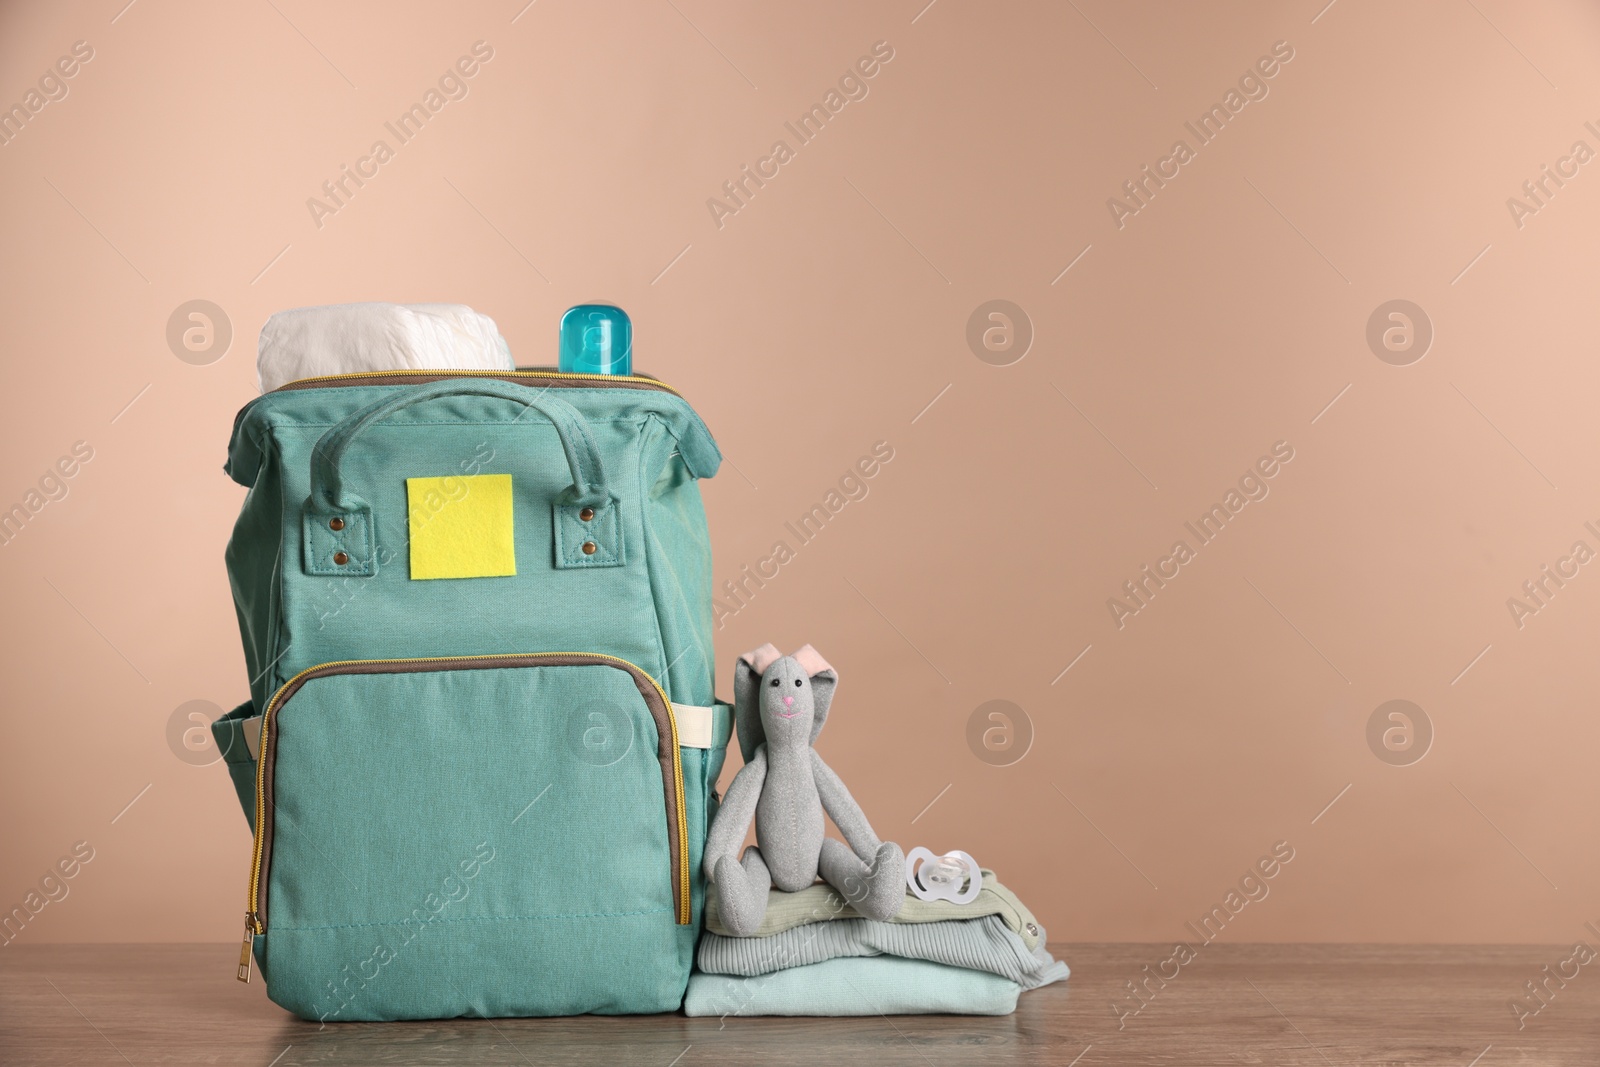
pixel 943 877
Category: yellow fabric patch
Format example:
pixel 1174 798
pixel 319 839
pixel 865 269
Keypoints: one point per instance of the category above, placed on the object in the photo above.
pixel 461 526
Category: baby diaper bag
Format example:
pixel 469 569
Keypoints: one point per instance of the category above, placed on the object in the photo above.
pixel 482 741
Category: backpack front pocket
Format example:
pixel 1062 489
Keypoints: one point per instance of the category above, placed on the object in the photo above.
pixel 486 835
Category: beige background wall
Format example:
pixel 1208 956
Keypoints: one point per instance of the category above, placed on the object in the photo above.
pixel 831 312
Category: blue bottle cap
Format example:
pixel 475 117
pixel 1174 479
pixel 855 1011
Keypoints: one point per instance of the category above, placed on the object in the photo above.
pixel 596 339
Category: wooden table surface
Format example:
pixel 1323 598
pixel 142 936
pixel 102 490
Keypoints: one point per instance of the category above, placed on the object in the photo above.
pixel 1234 1004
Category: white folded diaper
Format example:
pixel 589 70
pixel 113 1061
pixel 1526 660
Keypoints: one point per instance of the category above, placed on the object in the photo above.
pixel 356 338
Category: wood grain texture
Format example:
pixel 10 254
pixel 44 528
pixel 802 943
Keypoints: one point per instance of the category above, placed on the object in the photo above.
pixel 1286 1005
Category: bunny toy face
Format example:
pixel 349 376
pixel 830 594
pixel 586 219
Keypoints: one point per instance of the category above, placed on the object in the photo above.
pixel 788 704
pixel 781 700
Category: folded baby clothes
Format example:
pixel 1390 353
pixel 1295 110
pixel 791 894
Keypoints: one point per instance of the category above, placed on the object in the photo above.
pixel 984 944
pixel 356 338
pixel 881 985
pixel 821 902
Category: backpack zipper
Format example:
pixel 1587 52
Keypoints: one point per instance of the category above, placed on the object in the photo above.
pixel 654 696
pixel 423 376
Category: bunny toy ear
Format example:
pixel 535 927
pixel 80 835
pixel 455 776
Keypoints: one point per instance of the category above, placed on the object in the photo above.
pixel 747 697
pixel 762 658
pixel 824 681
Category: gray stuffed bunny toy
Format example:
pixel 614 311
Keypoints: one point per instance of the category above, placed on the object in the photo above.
pixel 780 704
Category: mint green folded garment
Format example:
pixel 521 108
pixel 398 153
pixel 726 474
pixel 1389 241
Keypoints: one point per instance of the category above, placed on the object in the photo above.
pixel 876 985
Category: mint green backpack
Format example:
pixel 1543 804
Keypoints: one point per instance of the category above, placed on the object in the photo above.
pixel 481 744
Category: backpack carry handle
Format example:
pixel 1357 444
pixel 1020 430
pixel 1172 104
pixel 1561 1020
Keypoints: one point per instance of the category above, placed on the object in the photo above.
pixel 347 546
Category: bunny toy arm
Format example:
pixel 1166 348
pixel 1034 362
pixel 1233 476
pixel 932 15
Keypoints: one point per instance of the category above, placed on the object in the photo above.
pixel 844 811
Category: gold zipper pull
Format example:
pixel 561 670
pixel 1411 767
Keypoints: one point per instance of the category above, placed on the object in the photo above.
pixel 244 949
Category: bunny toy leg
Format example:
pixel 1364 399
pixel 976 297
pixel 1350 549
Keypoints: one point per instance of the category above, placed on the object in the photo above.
pixel 742 891
pixel 741 886
pixel 870 873
pixel 876 890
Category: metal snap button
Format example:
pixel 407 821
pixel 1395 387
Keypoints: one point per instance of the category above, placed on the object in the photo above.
pixel 336 523
pixel 589 548
pixel 341 558
pixel 586 514
pixel 1033 930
